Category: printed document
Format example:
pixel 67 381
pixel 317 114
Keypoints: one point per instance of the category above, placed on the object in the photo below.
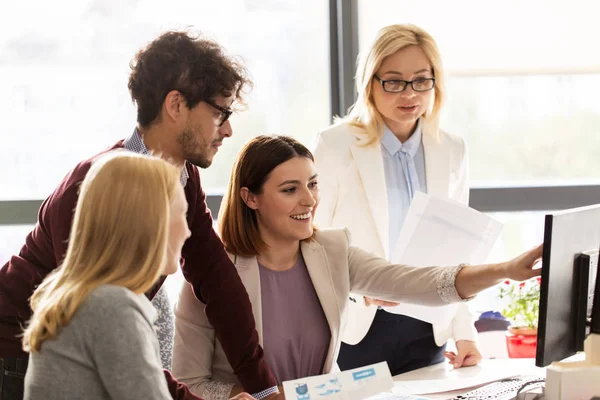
pixel 442 232
pixel 442 377
pixel 354 384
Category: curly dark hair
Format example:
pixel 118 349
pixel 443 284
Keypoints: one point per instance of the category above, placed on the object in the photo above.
pixel 198 68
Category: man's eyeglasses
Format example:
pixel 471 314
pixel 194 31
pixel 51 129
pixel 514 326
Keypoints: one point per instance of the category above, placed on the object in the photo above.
pixel 225 112
pixel 398 85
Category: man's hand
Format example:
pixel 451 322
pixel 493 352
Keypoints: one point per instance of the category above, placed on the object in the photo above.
pixel 382 303
pixel 243 396
pixel 468 354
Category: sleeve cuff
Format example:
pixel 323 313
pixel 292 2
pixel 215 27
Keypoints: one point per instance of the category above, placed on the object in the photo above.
pixel 463 324
pixel 464 332
pixel 445 285
pixel 217 391
pixel 265 393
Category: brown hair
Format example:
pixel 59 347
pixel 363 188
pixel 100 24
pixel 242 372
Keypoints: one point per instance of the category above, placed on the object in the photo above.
pixel 197 68
pixel 237 222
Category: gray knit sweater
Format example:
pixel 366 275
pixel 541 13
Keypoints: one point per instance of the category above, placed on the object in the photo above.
pixel 108 351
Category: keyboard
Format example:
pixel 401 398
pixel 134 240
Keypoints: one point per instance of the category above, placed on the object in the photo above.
pixel 506 389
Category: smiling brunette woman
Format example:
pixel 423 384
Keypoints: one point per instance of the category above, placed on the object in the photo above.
pixel 299 279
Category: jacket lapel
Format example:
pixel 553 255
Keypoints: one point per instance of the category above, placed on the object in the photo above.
pixel 320 274
pixel 437 167
pixel 369 162
pixel 250 275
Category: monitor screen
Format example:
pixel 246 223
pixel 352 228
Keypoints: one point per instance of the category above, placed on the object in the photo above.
pixel 568 235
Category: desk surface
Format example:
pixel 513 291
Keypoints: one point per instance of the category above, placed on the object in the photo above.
pixel 442 381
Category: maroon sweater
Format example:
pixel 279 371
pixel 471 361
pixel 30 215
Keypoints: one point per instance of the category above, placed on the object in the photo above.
pixel 205 265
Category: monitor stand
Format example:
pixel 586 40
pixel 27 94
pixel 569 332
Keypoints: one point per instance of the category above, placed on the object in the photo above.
pixel 577 379
pixel 586 268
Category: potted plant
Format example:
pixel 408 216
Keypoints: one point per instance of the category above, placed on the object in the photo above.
pixel 521 308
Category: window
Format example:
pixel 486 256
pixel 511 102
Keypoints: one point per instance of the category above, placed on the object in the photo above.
pixel 64 78
pixel 527 129
pixel 521 89
pixel 522 83
pixel 64 75
pixel 13 238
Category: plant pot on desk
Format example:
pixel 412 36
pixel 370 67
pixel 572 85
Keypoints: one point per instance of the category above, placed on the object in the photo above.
pixel 521 342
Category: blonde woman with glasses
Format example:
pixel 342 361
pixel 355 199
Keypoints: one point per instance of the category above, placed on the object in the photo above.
pixel 90 335
pixel 371 163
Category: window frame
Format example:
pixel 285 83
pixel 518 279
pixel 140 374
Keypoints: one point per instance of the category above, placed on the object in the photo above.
pixel 344 48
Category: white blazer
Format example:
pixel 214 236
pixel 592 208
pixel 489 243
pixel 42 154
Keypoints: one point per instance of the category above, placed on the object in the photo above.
pixel 354 195
pixel 335 268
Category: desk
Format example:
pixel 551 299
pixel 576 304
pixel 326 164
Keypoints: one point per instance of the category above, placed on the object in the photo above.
pixel 441 381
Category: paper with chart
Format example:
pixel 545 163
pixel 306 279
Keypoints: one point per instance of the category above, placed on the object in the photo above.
pixel 354 384
pixel 442 232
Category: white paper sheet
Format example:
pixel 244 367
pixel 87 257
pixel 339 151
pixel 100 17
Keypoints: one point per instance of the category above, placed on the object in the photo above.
pixel 444 378
pixel 354 384
pixel 395 396
pixel 442 232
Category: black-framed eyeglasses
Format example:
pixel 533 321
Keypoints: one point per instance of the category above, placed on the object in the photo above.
pixel 398 85
pixel 225 112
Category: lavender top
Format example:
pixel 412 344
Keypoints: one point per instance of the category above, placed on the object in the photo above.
pixel 296 334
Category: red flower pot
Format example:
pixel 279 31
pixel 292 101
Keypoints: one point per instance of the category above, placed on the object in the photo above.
pixel 521 342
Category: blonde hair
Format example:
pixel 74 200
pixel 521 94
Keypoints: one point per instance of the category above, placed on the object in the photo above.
pixel 363 114
pixel 119 236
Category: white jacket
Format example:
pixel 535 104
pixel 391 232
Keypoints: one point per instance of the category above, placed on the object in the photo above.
pixel 354 195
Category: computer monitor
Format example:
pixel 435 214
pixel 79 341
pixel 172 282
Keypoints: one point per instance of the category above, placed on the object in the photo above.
pixel 595 317
pixel 569 272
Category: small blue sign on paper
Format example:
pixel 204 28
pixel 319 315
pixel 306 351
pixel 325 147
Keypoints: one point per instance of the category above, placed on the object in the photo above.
pixel 328 388
pixel 356 384
pixel 366 373
pixel 302 391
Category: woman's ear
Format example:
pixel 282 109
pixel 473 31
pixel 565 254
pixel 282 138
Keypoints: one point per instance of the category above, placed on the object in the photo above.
pixel 249 198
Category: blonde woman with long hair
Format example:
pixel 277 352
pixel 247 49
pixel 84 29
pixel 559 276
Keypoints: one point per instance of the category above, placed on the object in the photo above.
pixel 185 88
pixel 371 163
pixel 90 335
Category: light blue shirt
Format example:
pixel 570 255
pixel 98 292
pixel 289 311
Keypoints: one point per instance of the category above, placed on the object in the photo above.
pixel 404 166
